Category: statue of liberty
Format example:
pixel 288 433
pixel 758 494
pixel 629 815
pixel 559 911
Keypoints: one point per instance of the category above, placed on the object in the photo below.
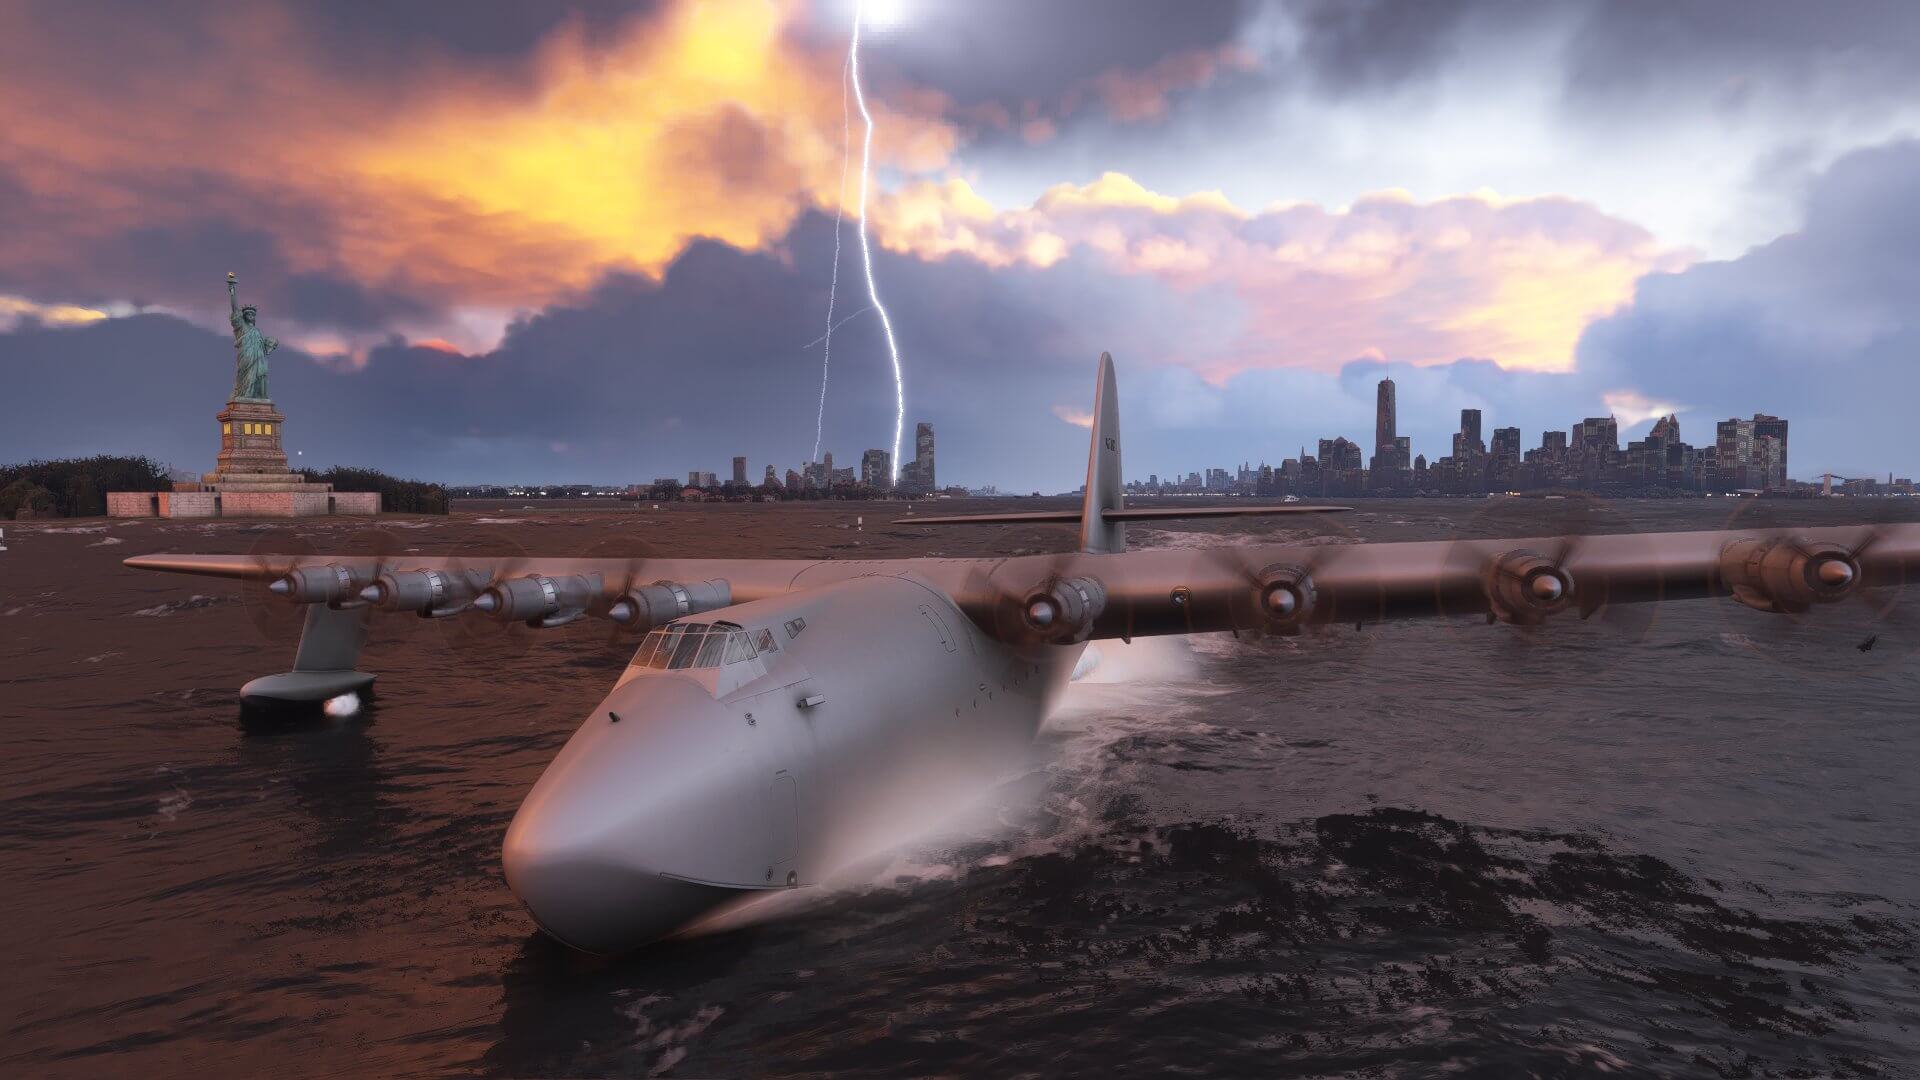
pixel 250 347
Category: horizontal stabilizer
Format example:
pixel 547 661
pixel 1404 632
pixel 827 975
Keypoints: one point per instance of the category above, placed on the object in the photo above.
pixel 1155 513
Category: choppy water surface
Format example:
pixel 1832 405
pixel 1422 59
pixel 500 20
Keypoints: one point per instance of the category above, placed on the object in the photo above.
pixel 1683 844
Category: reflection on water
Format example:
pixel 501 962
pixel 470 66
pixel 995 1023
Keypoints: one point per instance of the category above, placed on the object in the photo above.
pixel 332 768
pixel 1687 850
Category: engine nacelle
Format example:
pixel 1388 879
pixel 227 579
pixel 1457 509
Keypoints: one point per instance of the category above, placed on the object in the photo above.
pixel 429 592
pixel 333 583
pixel 662 602
pixel 539 598
pixel 1787 574
pixel 1525 587
pixel 1063 610
pixel 1286 598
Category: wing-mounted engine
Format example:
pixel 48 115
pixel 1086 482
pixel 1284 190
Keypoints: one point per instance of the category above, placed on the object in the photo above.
pixel 1062 611
pixel 644 607
pixel 433 594
pixel 542 601
pixel 335 584
pixel 1525 587
pixel 1786 574
pixel 1286 597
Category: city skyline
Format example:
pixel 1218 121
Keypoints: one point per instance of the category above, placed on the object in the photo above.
pixel 1746 456
pixel 1690 230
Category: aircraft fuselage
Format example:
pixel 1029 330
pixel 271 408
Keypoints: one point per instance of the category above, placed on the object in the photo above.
pixel 705 779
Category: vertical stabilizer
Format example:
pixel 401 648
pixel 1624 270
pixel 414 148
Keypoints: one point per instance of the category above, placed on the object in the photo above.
pixel 1103 469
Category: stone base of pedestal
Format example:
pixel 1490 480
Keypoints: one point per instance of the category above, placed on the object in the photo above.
pixel 251 480
pixel 274 504
pixel 132 504
pixel 294 500
pixel 189 504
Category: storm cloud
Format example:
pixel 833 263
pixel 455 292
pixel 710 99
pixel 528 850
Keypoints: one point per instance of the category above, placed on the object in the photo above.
pixel 592 241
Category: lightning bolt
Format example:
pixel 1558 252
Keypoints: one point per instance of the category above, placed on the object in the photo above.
pixel 833 284
pixel 866 250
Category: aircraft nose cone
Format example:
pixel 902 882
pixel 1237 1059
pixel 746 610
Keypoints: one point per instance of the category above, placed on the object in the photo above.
pixel 593 899
pixel 602 849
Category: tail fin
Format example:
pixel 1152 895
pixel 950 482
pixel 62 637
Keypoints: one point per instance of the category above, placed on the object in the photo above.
pixel 1098 533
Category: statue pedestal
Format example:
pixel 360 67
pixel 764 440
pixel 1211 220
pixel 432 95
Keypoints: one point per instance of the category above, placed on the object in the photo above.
pixel 250 440
pixel 251 478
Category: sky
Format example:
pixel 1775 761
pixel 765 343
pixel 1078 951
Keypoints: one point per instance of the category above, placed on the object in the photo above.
pixel 595 241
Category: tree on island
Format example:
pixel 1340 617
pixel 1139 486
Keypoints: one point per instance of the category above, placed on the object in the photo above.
pixel 397 496
pixel 76 487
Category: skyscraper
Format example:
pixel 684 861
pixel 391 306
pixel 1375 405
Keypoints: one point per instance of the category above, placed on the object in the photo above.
pixel 1470 429
pixel 1774 469
pixel 740 471
pixel 917 475
pixel 1385 427
pixel 876 469
pixel 1751 453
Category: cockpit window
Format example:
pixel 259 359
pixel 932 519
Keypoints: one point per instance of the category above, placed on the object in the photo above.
pixel 694 645
pixel 687 649
pixel 712 650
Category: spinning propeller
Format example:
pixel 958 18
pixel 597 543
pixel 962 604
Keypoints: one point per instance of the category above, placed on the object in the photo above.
pixel 1791 577
pixel 1280 597
pixel 273 554
pixel 1029 608
pixel 278 607
pixel 470 637
pixel 1525 585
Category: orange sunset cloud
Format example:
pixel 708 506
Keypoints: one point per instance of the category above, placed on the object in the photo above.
pixel 466 186
pixel 456 196
pixel 1510 280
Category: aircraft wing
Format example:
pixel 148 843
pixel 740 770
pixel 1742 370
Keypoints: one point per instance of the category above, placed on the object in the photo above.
pixel 544 591
pixel 1074 597
pixel 1284 588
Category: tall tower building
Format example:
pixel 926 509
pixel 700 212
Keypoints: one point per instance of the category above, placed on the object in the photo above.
pixel 740 471
pixel 1470 429
pixel 1773 471
pixel 1385 426
pixel 921 471
pixel 876 469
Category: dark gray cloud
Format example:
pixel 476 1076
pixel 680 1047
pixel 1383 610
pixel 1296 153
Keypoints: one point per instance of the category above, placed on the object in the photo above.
pixel 1011 52
pixel 470 29
pixel 1819 326
pixel 1607 49
pixel 1356 45
pixel 217 226
pixel 375 40
pixel 641 378
pixel 1640 48
pixel 637 379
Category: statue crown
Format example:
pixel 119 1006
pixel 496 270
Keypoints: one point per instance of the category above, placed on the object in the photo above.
pixel 249 307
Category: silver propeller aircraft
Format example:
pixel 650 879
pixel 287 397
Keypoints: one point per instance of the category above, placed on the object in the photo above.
pixel 780 713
